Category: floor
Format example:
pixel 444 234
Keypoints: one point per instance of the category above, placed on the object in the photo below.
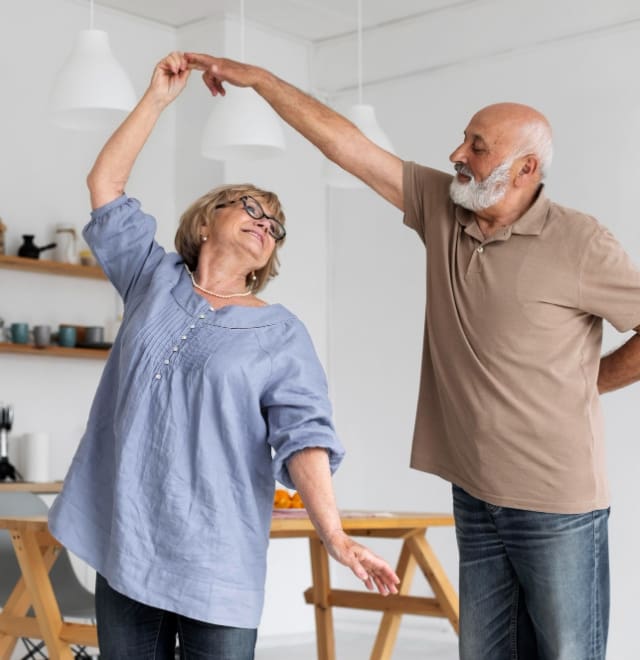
pixel 355 646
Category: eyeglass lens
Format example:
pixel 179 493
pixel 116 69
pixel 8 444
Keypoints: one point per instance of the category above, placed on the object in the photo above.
pixel 255 210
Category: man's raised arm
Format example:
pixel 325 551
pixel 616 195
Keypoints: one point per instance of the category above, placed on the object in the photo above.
pixel 338 139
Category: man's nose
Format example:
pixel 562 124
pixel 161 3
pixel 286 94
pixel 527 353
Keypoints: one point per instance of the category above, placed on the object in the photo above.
pixel 458 155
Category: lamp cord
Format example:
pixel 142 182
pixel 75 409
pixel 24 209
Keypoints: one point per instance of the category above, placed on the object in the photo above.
pixel 359 52
pixel 242 37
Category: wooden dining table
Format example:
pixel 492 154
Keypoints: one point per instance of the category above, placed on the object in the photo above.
pixel 36 550
pixel 410 530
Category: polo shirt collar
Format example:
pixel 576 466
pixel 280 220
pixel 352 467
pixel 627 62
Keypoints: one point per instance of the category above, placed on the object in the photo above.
pixel 530 223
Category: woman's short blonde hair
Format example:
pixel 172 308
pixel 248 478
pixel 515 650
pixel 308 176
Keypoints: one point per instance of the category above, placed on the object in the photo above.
pixel 202 213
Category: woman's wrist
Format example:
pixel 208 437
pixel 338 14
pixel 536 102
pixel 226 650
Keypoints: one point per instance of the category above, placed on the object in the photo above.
pixel 154 102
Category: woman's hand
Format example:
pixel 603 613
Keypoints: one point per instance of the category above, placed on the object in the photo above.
pixel 169 78
pixel 217 70
pixel 309 470
pixel 367 566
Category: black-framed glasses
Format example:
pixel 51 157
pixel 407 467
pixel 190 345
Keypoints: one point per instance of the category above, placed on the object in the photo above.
pixel 255 211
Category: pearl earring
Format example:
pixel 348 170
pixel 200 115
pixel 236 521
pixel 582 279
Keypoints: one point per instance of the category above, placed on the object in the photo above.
pixel 203 239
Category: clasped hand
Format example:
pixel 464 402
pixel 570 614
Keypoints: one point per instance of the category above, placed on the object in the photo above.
pixel 172 72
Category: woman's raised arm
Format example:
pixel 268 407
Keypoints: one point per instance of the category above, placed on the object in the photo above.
pixel 110 173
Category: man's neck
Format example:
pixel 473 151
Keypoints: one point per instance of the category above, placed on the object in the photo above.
pixel 504 213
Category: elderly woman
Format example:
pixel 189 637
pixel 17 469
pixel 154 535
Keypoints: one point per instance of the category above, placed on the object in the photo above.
pixel 209 394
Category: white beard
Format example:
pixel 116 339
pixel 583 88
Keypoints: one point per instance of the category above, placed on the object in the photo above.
pixel 480 195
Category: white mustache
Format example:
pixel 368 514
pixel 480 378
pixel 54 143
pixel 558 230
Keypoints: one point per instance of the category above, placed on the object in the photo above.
pixel 461 168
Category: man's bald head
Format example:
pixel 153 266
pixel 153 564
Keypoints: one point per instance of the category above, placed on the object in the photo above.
pixel 520 129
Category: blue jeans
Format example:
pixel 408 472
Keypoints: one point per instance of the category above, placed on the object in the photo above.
pixel 533 586
pixel 129 629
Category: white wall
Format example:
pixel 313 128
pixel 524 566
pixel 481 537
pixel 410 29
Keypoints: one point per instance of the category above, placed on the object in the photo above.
pixel 42 182
pixel 586 85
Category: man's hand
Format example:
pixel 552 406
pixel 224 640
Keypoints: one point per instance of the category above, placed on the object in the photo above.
pixel 217 70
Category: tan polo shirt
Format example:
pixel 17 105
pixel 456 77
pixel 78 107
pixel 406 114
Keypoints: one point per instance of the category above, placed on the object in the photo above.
pixel 508 406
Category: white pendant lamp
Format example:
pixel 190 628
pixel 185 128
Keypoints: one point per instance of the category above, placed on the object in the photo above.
pixel 92 90
pixel 242 125
pixel 364 117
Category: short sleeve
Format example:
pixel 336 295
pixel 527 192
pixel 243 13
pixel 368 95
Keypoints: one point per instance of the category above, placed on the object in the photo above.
pixel 426 192
pixel 610 282
pixel 296 402
pixel 121 236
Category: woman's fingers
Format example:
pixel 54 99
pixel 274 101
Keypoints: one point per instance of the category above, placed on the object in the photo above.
pixel 368 567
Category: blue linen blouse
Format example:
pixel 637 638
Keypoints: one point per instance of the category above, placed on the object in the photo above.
pixel 169 495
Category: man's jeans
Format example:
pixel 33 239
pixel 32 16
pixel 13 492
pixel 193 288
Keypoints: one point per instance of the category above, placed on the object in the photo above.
pixel 533 586
pixel 128 629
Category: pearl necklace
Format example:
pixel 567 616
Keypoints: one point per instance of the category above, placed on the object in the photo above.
pixel 213 293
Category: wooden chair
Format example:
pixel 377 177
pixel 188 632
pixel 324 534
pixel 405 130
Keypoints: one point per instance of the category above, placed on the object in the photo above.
pixel 74 600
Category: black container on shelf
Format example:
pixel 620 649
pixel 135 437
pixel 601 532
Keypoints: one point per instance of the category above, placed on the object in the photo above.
pixel 30 250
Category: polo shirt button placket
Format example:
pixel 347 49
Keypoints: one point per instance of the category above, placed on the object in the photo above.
pixel 474 265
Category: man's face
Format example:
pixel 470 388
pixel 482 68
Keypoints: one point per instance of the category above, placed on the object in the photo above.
pixel 479 195
pixel 483 163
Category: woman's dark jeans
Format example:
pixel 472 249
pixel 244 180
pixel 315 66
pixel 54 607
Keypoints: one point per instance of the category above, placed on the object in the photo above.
pixel 128 629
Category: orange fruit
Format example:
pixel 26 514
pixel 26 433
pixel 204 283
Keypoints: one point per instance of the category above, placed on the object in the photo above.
pixel 281 499
pixel 296 501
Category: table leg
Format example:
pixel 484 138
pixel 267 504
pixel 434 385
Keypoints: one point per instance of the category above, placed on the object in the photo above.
pixel 36 577
pixel 437 578
pixel 7 645
pixel 18 603
pixel 321 591
pixel 390 623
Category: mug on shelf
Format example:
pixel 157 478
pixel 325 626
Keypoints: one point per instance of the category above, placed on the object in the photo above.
pixel 19 333
pixel 42 335
pixel 67 336
pixel 94 334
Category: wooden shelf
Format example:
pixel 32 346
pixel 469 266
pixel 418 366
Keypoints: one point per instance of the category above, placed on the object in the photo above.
pixel 51 267
pixel 55 351
pixel 30 486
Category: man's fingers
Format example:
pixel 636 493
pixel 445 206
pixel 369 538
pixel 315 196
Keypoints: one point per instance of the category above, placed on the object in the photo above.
pixel 198 61
pixel 214 84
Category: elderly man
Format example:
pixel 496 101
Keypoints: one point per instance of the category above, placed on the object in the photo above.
pixel 508 408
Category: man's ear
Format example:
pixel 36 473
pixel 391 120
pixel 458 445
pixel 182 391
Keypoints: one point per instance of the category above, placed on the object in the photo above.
pixel 529 167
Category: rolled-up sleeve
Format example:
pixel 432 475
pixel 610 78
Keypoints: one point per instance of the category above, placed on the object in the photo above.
pixel 426 192
pixel 296 403
pixel 121 236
